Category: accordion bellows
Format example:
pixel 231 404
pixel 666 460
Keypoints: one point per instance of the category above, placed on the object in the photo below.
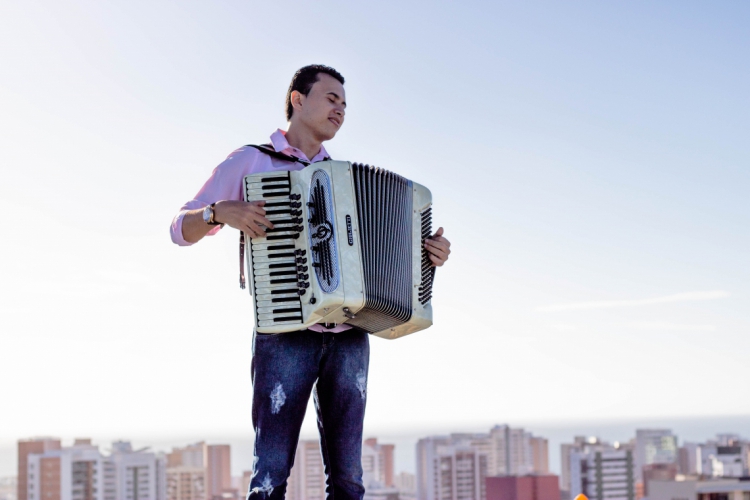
pixel 346 247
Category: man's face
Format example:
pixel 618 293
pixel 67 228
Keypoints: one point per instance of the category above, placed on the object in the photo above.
pixel 322 110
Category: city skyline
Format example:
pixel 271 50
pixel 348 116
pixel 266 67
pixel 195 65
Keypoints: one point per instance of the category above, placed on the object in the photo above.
pixel 613 433
pixel 455 466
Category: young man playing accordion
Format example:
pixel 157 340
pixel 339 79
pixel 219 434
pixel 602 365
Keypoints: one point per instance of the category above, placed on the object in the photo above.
pixel 330 362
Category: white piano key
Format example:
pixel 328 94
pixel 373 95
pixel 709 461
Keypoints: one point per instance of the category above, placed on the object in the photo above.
pixel 292 302
pixel 259 279
pixel 259 194
pixel 279 186
pixel 279 173
pixel 271 316
pixel 264 243
pixel 276 323
pixel 291 271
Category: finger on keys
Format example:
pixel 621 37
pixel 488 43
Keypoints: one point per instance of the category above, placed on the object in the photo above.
pixel 439 232
pixel 251 232
pixel 265 222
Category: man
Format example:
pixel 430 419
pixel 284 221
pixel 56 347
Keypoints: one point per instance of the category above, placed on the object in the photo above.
pixel 287 367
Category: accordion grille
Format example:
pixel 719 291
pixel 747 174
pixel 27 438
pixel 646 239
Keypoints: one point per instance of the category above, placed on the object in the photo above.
pixel 384 204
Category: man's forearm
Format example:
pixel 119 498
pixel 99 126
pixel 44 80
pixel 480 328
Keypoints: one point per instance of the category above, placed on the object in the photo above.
pixel 193 226
pixel 245 216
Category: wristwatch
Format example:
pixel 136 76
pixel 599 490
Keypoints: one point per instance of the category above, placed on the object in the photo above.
pixel 208 216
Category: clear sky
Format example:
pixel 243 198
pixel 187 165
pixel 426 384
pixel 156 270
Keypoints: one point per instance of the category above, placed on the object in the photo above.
pixel 589 161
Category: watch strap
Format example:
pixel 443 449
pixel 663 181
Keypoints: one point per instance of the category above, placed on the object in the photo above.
pixel 213 221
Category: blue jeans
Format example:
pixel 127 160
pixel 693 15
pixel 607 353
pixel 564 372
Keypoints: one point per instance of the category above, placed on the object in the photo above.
pixel 286 367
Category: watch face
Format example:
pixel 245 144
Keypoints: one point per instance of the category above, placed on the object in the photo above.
pixel 207 212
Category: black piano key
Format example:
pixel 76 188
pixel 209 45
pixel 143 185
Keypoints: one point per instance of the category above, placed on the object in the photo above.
pixel 284 264
pixel 287 310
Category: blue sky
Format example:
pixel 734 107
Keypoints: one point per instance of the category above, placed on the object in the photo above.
pixel 588 160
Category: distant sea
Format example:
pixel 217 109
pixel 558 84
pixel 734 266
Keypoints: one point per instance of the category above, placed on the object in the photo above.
pixel 690 429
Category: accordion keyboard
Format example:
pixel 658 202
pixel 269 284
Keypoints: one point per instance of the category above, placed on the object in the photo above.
pixel 280 269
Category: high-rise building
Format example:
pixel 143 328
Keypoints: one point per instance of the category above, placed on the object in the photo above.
pixel 186 482
pixel 539 455
pixel 81 472
pixel 200 471
pixel 658 472
pixel 726 456
pixel 192 455
pixel 510 451
pixel 689 459
pixel 503 451
pixel 377 468
pixel 307 480
pixel 601 472
pixel 187 477
pixel 140 475
pixel 723 461
pixel 377 464
pixel 25 448
pixel 449 469
pixel 406 484
pixel 218 471
pixel 460 472
pixel 565 450
pixel 705 489
pixel 654 446
pixel 536 487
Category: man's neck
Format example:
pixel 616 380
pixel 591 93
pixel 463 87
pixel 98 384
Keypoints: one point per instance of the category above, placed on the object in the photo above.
pixel 303 140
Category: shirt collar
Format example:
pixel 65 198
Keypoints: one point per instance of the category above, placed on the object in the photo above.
pixel 281 145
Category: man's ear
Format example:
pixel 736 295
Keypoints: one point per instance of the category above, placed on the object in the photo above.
pixel 296 99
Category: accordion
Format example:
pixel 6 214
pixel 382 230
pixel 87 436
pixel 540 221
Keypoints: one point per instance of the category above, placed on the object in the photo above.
pixel 346 247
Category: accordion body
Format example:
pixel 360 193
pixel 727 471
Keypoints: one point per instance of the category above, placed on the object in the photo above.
pixel 346 247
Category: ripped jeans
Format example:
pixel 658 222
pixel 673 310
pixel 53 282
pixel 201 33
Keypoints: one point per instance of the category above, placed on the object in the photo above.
pixel 286 368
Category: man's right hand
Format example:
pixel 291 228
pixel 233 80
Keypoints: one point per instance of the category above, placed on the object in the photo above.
pixel 245 216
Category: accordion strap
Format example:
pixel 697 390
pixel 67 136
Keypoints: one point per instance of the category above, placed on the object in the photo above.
pixel 267 149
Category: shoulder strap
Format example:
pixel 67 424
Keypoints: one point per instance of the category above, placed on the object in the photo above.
pixel 268 149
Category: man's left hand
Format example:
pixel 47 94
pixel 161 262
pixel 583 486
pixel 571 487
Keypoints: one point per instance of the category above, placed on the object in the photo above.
pixel 438 247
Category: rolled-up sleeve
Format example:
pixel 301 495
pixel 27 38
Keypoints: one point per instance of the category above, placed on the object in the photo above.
pixel 225 183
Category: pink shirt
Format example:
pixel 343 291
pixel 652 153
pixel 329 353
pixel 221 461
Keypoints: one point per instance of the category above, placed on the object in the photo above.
pixel 225 183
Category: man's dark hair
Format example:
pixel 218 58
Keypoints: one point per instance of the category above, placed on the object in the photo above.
pixel 303 81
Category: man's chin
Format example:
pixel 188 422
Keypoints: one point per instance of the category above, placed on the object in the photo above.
pixel 327 135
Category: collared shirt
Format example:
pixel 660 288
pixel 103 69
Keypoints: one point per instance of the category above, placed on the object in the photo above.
pixel 225 183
